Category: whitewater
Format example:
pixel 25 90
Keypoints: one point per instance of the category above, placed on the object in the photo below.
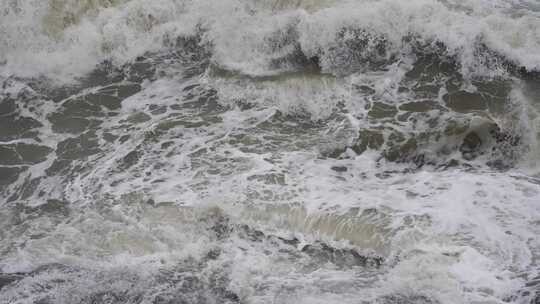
pixel 270 151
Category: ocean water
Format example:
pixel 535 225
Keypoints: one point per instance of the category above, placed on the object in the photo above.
pixel 270 151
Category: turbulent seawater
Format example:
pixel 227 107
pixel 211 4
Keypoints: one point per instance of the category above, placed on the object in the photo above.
pixel 270 151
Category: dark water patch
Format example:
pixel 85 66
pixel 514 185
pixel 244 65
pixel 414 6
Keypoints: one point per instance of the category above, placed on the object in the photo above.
pixel 456 127
pixel 465 102
pixel 130 159
pixel 339 169
pixel 157 109
pixel 405 299
pixel 9 174
pixel 111 96
pixel 433 70
pixel 14 126
pixel 79 107
pixel 137 118
pixel 78 147
pixel 7 106
pixel 419 106
pixel 183 123
pixel 7 279
pixel 82 113
pixel 8 155
pixel 23 154
pixel 290 123
pixel 58 167
pixel 72 125
pixel 247 143
pixel 403 152
pixel 380 110
pixel 490 96
pixel 281 132
pixel 108 137
pixel 52 207
pixel 532 90
pixel 372 139
pixel 124 138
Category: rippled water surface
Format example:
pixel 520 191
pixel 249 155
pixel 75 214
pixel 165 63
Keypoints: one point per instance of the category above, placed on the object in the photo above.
pixel 250 151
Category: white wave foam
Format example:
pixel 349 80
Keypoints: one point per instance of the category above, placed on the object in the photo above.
pixel 67 38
